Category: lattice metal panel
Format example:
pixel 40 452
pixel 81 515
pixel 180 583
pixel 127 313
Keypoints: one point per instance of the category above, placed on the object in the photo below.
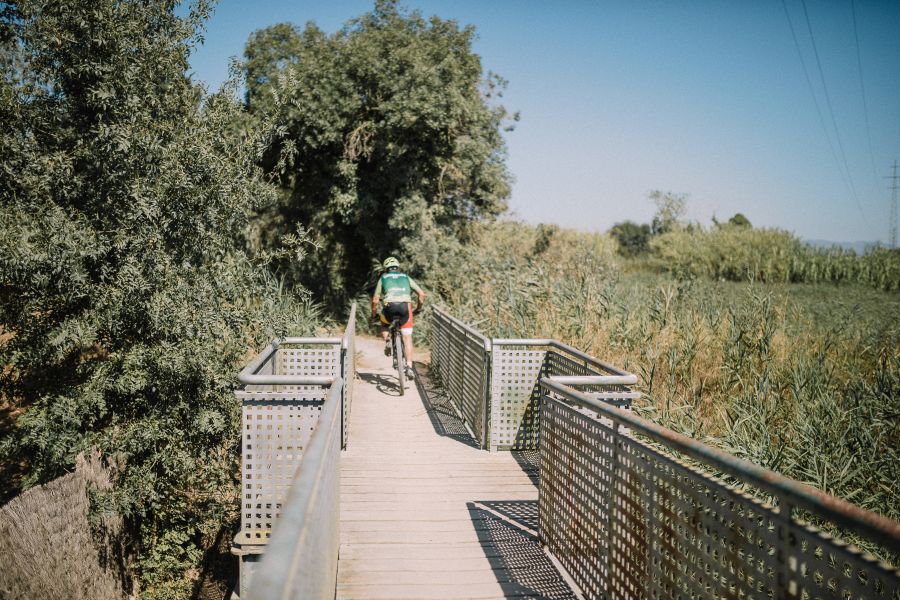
pixel 453 383
pixel 515 396
pixel 628 521
pixel 575 493
pixel 320 361
pixel 474 386
pixel 275 430
pixel 439 344
pixel 463 365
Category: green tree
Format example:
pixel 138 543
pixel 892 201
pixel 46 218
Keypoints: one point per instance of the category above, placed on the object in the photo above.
pixel 127 297
pixel 739 220
pixel 633 239
pixel 670 211
pixel 396 138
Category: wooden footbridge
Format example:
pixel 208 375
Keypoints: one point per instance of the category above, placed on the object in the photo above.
pixel 512 468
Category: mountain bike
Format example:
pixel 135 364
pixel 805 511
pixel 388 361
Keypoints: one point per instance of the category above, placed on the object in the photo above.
pixel 398 354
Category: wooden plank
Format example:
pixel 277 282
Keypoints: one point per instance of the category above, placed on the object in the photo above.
pixel 462 578
pixel 477 478
pixel 414 563
pixel 454 525
pixel 431 513
pixel 425 591
pixel 448 551
pixel 425 485
pixel 405 537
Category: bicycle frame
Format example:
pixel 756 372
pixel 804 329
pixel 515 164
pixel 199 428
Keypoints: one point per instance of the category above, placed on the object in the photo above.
pixel 399 353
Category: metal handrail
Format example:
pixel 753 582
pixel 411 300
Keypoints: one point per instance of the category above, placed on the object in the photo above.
pixel 303 550
pixel 254 365
pixel 351 327
pixel 571 380
pixel 249 376
pixel 285 380
pixel 846 515
pixel 309 340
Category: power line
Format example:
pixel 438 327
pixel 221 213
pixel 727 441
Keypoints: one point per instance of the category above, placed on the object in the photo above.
pixel 862 89
pixel 812 93
pixel 837 133
pixel 892 227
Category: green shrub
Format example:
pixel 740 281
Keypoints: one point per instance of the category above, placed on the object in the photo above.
pixel 633 239
pixel 128 298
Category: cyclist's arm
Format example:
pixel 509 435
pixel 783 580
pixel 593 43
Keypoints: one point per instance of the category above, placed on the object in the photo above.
pixel 375 298
pixel 419 293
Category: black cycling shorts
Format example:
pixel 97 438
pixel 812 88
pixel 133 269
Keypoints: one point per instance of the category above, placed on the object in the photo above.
pixel 402 311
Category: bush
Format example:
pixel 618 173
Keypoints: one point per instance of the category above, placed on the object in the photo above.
pixel 633 239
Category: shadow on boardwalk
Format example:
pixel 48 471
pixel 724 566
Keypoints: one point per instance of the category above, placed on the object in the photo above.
pixel 508 535
pixel 444 418
pixel 447 422
pixel 385 384
pixel 530 462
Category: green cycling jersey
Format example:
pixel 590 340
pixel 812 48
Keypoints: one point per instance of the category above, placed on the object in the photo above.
pixel 396 287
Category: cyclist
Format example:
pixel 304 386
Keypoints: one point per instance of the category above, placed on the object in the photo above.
pixel 397 289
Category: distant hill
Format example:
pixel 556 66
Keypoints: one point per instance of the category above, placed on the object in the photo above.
pixel 858 247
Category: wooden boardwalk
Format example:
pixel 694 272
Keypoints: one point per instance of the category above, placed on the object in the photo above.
pixel 426 514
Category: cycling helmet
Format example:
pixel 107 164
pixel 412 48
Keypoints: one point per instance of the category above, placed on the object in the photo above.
pixel 391 263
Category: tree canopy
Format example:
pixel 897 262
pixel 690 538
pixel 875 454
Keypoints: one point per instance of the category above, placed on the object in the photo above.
pixel 395 135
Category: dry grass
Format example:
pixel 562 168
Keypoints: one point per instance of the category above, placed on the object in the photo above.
pixel 48 548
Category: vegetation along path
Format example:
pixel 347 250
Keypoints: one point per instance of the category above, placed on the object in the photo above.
pixel 424 512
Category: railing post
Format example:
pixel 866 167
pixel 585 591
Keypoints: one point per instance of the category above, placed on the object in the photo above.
pixel 486 396
pixel 786 586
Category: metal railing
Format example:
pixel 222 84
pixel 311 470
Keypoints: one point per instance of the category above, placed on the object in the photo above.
pixel 493 383
pixel 517 365
pixel 628 518
pixel 288 395
pixel 462 357
pixel 301 558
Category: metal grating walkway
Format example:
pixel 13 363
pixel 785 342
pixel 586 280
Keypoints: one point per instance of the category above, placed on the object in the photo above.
pixel 424 512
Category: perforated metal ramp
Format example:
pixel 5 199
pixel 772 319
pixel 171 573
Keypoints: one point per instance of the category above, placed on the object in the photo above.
pixel 424 512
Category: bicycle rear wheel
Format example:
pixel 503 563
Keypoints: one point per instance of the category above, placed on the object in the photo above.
pixel 401 360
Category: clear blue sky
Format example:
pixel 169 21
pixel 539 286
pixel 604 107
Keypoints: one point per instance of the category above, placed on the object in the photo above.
pixel 704 98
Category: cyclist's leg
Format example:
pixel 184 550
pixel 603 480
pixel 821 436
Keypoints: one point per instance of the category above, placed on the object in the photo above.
pixel 406 328
pixel 385 331
pixel 408 347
